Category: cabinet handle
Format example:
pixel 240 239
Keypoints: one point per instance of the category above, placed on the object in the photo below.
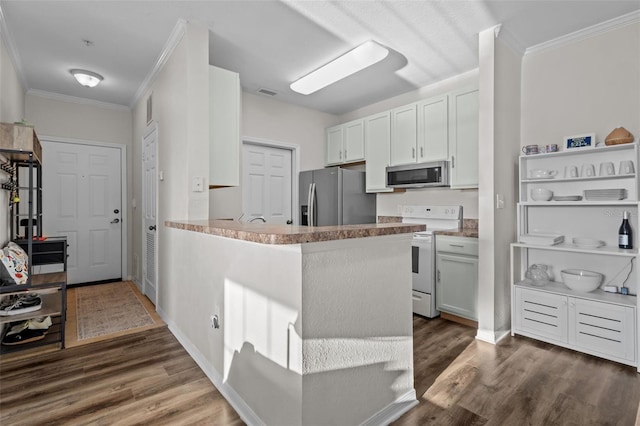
pixel 456 245
pixel 438 275
pixel 453 161
pixel 345 154
pixel 413 153
pixel 340 154
pixel 421 152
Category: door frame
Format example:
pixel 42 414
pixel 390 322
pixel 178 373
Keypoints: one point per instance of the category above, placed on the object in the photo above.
pixel 124 229
pixel 295 166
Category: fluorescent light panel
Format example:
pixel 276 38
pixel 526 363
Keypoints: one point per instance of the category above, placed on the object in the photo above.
pixel 351 62
pixel 87 78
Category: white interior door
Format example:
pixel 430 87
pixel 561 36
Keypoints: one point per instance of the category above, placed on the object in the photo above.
pixel 81 199
pixel 266 183
pixel 149 197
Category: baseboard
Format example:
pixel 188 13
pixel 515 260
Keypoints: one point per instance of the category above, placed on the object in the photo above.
pixel 244 411
pixel 491 336
pixel 393 411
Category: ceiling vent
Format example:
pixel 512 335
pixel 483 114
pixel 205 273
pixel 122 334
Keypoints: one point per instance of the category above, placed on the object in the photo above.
pixel 267 92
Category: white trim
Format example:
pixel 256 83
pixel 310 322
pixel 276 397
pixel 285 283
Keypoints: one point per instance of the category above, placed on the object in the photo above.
pixel 492 337
pixel 172 42
pixel 77 100
pixel 244 411
pixel 510 40
pixel 393 411
pixel 295 166
pixel 124 229
pixel 13 52
pixel 594 30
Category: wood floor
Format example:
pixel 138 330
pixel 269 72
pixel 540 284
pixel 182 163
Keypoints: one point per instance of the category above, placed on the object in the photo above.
pixel 148 378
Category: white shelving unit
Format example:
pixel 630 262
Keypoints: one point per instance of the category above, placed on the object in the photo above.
pixel 599 323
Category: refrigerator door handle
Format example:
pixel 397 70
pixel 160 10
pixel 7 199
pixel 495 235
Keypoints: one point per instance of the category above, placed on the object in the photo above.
pixel 309 206
pixel 312 205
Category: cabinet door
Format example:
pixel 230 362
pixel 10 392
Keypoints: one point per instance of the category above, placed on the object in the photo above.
pixel 602 328
pixel 354 141
pixel 224 133
pixel 457 285
pixel 334 145
pixel 404 134
pixel 377 131
pixel 541 314
pixel 433 129
pixel 463 138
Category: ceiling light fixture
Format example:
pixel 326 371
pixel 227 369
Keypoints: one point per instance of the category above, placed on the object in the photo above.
pixel 87 78
pixel 351 62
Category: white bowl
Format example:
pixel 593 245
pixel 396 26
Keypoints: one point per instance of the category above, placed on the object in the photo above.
pixel 579 280
pixel 541 194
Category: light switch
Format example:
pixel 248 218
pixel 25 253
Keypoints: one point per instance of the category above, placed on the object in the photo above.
pixel 499 201
pixel 197 184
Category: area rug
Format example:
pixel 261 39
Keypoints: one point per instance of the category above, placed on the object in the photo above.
pixel 108 308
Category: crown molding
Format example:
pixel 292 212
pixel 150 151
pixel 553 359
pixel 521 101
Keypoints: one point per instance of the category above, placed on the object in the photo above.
pixel 176 35
pixel 594 30
pixel 76 100
pixel 510 40
pixel 11 48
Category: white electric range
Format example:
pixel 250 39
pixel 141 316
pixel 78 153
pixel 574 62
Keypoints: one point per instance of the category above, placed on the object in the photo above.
pixel 423 256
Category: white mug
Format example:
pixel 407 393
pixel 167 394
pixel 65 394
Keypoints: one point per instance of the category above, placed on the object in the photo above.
pixel 626 168
pixel 588 170
pixel 571 172
pixel 606 169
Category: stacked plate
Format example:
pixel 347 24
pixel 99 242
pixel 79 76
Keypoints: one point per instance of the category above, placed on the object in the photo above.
pixel 587 243
pixel 605 194
pixel 542 239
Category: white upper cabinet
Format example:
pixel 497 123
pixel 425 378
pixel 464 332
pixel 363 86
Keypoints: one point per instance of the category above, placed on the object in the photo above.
pixel 345 143
pixel 377 131
pixel 463 138
pixel 224 127
pixel 404 135
pixel 433 130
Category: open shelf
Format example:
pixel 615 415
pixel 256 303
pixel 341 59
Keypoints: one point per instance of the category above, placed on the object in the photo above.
pixel 51 306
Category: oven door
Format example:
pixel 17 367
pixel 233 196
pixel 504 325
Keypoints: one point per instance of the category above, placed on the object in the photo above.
pixel 423 275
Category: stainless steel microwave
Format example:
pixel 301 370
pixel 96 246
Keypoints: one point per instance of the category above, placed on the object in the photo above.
pixel 420 175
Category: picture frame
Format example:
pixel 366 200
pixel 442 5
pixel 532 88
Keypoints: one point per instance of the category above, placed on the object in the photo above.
pixel 584 141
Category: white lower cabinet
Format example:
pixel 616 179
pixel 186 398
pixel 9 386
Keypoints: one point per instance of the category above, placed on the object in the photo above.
pixel 598 328
pixel 457 276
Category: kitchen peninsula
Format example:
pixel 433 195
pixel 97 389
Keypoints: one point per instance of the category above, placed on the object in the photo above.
pixel 315 323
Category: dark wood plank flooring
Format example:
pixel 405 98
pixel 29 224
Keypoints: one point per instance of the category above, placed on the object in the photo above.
pixel 148 378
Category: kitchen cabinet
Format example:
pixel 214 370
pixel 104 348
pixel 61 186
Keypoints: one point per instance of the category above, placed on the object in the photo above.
pixel 463 138
pixel 598 323
pixel 377 131
pixel 345 143
pixel 433 130
pixel 457 276
pixel 404 135
pixel 224 128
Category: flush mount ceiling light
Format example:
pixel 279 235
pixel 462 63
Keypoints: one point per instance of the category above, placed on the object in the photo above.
pixel 351 62
pixel 87 78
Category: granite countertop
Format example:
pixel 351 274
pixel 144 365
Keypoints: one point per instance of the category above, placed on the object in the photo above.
pixel 266 233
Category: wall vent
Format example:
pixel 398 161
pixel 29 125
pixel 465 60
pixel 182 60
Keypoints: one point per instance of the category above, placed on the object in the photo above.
pixel 267 92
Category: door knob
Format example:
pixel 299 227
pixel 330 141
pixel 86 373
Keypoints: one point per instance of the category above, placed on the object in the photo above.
pixel 116 220
pixel 289 222
pixel 116 211
pixel 152 228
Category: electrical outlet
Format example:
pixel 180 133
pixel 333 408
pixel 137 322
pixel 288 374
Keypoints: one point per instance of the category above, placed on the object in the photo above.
pixel 197 184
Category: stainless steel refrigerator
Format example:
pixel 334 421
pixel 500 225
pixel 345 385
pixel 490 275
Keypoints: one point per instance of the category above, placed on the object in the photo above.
pixel 335 196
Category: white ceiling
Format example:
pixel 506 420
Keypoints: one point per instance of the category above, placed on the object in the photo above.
pixel 272 43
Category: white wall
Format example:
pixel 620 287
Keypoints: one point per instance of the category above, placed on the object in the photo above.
pixel 11 109
pixel 180 109
pixel 592 85
pixel 388 203
pixel 91 122
pixel 269 119
pixel 500 70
